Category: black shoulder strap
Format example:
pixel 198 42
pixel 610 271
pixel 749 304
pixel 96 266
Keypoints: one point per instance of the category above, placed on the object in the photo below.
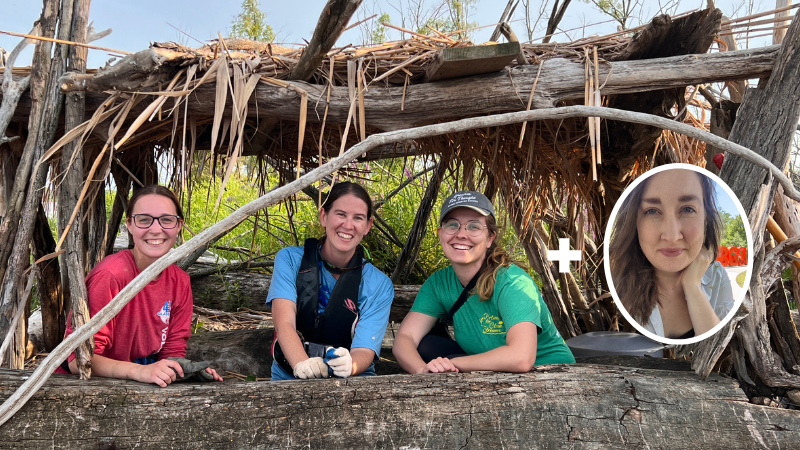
pixel 307 288
pixel 461 299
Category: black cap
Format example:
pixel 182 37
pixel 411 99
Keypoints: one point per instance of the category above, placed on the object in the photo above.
pixel 467 199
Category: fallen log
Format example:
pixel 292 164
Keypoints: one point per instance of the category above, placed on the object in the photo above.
pixel 562 406
pixel 559 80
pixel 232 290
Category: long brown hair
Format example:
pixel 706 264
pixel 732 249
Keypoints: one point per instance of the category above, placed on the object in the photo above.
pixel 495 259
pixel 632 273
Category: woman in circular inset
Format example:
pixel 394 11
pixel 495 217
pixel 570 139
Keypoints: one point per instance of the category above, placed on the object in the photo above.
pixel 662 253
pixel 330 305
pixel 504 324
pixel 147 338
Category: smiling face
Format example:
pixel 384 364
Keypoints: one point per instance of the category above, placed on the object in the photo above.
pixel 671 220
pixel 461 248
pixel 345 224
pixel 153 242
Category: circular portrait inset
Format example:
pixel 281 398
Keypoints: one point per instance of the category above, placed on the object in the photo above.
pixel 676 254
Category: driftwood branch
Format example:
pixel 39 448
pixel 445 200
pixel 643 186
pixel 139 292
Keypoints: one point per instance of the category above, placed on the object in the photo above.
pixel 12 90
pixel 18 399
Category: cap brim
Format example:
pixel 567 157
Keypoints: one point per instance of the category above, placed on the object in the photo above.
pixel 483 212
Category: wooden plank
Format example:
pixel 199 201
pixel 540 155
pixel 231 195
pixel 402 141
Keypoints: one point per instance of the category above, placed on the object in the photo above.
pixel 563 406
pixel 465 61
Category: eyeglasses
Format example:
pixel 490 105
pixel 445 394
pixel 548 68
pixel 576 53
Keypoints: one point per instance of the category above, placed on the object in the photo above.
pixel 474 228
pixel 166 221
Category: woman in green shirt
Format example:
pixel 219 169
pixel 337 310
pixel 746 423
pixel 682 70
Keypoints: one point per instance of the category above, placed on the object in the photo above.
pixel 504 324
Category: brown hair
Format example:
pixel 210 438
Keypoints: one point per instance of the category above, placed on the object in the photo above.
pixel 632 273
pixel 344 188
pixel 148 190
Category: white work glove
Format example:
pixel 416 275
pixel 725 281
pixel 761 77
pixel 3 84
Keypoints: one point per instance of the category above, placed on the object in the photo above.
pixel 343 365
pixel 311 368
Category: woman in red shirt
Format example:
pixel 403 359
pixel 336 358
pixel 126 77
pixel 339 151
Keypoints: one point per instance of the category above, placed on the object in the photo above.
pixel 155 324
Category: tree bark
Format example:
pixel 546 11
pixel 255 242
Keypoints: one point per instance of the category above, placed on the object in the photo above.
pixel 17 229
pixel 765 123
pixel 54 312
pixel 410 251
pixel 332 21
pixel 551 407
pixel 74 257
pixel 560 80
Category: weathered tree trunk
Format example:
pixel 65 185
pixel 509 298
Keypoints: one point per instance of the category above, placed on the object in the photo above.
pixel 74 257
pixel 410 251
pixel 570 406
pixel 54 312
pixel 765 123
pixel 723 115
pixel 17 229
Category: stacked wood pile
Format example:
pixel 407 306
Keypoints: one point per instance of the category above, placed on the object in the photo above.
pixel 300 108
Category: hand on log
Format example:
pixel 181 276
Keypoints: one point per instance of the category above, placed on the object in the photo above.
pixel 161 372
pixel 440 365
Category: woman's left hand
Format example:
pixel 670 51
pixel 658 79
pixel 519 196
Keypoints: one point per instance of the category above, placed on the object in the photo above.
pixel 214 374
pixel 692 275
pixel 440 365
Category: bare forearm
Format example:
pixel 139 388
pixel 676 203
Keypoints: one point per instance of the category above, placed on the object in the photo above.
pixel 108 368
pixel 501 359
pixel 362 358
pixel 702 314
pixel 405 351
pixel 290 343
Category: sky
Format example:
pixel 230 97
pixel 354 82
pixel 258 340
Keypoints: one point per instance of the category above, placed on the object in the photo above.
pixel 137 23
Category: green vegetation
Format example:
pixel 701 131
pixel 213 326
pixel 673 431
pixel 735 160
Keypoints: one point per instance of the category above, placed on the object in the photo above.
pixel 733 232
pixel 456 19
pixel 251 23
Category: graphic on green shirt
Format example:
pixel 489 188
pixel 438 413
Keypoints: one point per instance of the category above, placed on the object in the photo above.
pixel 492 324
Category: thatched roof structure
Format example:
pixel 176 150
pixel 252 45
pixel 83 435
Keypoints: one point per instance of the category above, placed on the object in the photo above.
pixel 237 98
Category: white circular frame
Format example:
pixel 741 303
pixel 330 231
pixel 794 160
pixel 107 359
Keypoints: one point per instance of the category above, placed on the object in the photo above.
pixel 607 266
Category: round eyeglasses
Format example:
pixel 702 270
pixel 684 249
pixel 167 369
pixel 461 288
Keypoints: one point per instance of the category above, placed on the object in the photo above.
pixel 473 227
pixel 166 221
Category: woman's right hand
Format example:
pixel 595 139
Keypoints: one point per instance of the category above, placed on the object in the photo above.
pixel 440 365
pixel 161 372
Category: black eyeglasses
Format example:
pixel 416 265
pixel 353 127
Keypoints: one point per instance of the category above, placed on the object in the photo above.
pixel 473 227
pixel 166 221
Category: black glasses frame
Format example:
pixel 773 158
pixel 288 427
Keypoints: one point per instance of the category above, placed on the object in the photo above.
pixel 154 219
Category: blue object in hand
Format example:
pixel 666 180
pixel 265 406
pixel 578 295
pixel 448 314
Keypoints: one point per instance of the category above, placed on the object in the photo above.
pixel 330 353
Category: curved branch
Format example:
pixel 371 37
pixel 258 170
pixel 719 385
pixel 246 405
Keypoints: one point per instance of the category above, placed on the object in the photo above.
pixel 46 368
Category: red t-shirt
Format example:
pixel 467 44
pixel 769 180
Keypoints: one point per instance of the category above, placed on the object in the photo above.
pixel 156 321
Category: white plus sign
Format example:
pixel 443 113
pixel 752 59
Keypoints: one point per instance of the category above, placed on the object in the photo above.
pixel 563 255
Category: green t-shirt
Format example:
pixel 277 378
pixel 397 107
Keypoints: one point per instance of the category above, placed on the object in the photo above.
pixel 482 326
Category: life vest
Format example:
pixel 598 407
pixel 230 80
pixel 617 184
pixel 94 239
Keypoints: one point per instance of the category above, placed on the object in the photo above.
pixel 336 325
